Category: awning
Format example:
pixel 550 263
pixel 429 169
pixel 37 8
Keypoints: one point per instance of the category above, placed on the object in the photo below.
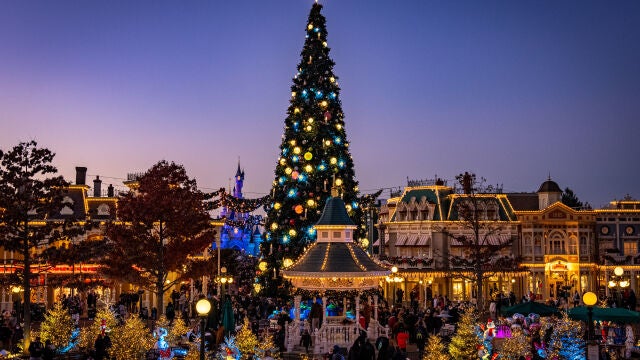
pixel 494 240
pixel 422 240
pixel 401 240
pixel 411 240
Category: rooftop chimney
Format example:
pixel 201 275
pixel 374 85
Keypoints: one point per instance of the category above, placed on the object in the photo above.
pixel 81 175
pixel 97 187
pixel 110 191
pixel 467 182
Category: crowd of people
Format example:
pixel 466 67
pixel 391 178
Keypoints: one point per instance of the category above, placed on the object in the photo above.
pixel 410 322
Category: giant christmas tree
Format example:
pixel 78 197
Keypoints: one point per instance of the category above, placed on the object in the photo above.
pixel 314 157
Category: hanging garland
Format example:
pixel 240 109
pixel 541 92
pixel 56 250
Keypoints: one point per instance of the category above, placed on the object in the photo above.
pixel 233 203
pixel 250 221
pixel 368 200
pixel 338 294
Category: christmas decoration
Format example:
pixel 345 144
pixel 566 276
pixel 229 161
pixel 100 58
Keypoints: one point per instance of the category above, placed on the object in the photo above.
pixel 246 340
pixel 515 346
pixel 566 339
pixel 161 345
pixel 105 321
pixel 177 331
pixel 435 349
pixel 57 327
pixel 228 349
pixel 314 148
pixel 267 344
pixel 131 340
pixel 465 343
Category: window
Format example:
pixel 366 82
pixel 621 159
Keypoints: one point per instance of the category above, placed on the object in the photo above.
pixel 573 246
pixel 557 246
pixel 630 248
pixel 527 246
pixel 337 234
pixel 325 235
pixel 537 246
pixel 584 246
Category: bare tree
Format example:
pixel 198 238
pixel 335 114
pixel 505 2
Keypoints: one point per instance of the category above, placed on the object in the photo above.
pixel 482 248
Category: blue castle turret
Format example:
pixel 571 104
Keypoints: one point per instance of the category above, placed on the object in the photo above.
pixel 245 238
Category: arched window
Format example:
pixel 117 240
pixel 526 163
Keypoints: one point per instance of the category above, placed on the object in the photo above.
pixel 573 246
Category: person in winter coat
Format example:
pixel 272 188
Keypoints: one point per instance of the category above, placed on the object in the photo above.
pixel 305 340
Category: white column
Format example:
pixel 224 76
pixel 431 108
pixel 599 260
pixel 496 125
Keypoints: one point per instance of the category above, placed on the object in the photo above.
pixel 296 307
pixel 344 306
pixel 358 309
pixel 324 310
pixel 375 307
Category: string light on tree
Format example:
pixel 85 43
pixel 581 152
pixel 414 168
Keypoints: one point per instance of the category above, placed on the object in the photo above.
pixel 311 157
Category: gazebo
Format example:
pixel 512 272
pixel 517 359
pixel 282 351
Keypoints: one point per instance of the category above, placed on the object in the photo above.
pixel 334 265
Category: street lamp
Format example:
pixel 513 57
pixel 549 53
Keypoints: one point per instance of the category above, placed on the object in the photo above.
pixel 618 282
pixel 589 298
pixel 203 306
pixel 223 279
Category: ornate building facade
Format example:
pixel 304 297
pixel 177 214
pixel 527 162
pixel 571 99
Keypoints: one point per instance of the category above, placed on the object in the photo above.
pixel 420 231
pixel 562 250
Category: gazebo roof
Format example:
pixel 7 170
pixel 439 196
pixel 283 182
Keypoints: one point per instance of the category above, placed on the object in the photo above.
pixel 335 259
pixel 335 263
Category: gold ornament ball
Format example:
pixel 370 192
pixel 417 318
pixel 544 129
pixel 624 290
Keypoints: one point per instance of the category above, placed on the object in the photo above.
pixel 308 156
pixel 262 266
pixel 287 262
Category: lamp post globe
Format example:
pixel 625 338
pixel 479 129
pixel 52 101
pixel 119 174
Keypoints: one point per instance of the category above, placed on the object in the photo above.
pixel 618 271
pixel 589 298
pixel 203 306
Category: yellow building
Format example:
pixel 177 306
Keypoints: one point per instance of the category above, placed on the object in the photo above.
pixel 563 250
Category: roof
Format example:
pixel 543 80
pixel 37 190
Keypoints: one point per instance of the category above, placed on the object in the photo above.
pixel 331 259
pixel 549 186
pixel 505 213
pixel 335 213
pixel 434 194
pixel 523 201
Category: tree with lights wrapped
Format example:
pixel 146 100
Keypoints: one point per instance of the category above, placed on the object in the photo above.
pixel 105 320
pixel 131 340
pixel 246 340
pixel 267 344
pixel 566 340
pixel 177 331
pixel 465 342
pixel 314 155
pixel 435 349
pixel 57 326
pixel 515 346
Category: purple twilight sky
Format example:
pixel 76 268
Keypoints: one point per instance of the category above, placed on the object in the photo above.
pixel 511 90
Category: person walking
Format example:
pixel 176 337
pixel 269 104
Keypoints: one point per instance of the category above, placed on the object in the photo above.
pixel 36 349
